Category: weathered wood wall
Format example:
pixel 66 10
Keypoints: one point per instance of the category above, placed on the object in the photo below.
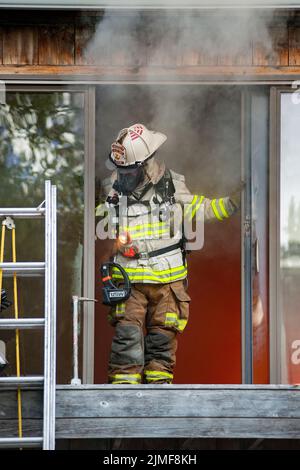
pixel 55 43
pixel 191 411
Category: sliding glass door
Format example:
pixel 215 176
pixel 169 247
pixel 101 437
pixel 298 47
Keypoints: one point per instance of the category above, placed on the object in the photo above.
pixel 285 232
pixel 43 135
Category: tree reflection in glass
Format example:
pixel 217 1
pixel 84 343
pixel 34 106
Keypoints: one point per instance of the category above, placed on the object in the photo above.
pixel 42 137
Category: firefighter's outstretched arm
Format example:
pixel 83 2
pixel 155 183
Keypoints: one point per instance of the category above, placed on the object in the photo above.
pixel 220 208
pixel 223 207
pixel 214 209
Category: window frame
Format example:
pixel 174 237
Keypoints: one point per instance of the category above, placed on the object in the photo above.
pixel 89 193
pixel 274 231
pixel 89 206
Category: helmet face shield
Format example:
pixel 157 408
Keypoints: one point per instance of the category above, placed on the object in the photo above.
pixel 129 179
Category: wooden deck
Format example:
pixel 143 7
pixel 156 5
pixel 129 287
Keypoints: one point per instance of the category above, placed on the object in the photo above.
pixel 119 411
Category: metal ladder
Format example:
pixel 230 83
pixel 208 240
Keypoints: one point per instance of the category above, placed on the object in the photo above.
pixel 46 210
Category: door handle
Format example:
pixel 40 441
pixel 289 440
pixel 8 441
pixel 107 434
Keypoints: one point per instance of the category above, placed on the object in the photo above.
pixel 256 250
pixel 76 299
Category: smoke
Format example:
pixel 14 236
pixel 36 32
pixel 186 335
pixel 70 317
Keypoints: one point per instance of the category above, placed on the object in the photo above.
pixel 202 123
pixel 171 39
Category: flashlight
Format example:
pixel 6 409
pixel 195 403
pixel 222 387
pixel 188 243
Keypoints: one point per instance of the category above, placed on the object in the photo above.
pixel 125 245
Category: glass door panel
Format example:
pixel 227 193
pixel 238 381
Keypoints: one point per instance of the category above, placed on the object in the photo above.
pixel 289 275
pixel 42 137
pixel 259 154
pixel 203 125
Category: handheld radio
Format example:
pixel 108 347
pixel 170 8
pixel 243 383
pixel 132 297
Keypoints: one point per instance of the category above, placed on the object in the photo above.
pixel 112 293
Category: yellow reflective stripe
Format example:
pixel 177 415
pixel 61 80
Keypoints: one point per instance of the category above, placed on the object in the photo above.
pixel 135 236
pixel 173 319
pixel 167 279
pixel 158 373
pixel 214 208
pixel 194 206
pixel 197 206
pixel 128 378
pixel 161 280
pixel 154 276
pixel 181 324
pixel 121 376
pixel 143 226
pixel 147 269
pixel 223 209
pixel 191 205
pixel 155 379
pixel 99 210
pixel 132 382
pixel 120 308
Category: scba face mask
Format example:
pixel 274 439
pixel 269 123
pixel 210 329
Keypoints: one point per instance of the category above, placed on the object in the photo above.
pixel 129 179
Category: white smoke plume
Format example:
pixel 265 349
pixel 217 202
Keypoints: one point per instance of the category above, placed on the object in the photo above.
pixel 202 123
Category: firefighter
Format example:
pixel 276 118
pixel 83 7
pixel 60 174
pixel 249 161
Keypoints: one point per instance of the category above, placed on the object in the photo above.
pixel 153 258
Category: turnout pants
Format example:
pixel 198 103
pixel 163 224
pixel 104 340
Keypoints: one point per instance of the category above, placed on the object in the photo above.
pixel 146 326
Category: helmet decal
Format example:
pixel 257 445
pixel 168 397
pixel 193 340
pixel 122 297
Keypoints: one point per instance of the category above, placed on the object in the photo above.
pixel 134 145
pixel 136 132
pixel 118 153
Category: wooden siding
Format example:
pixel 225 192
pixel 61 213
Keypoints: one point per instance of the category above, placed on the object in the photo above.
pixel 294 46
pixel 190 411
pixel 52 44
pixel 56 45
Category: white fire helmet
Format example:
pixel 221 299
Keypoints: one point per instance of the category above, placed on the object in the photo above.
pixel 133 146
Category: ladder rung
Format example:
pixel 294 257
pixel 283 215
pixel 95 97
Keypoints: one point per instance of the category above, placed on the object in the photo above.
pixel 23 267
pixel 22 212
pixel 22 381
pixel 21 442
pixel 21 323
pixel 47 269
